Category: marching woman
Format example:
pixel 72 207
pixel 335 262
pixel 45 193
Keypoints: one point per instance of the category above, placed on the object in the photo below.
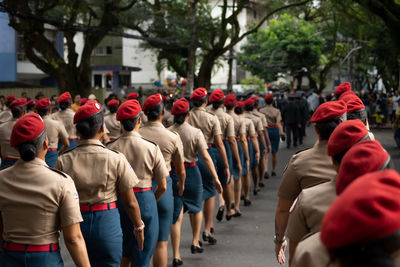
pixel 100 175
pixel 31 229
pixel 55 132
pixel 66 117
pixel 110 119
pixel 193 142
pixel 275 129
pixel 171 148
pixel 10 155
pixel 148 162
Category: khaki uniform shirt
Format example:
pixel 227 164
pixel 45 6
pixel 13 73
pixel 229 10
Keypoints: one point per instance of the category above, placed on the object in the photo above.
pixel 144 119
pixel 272 114
pixel 256 120
pixel 169 142
pixel 305 169
pixel 168 119
pixel 55 131
pixel 6 150
pixel 66 117
pixel 262 117
pixel 226 123
pixel 99 173
pixel 249 125
pixel 240 127
pixel 205 121
pixel 192 139
pixel 311 253
pixel 145 157
pixel 113 126
pixel 309 210
pixel 5 115
pixel 35 202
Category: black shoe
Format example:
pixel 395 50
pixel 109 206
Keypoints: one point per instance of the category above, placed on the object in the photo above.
pixel 241 197
pixel 220 213
pixel 237 213
pixel 247 202
pixel 266 175
pixel 209 238
pixel 195 249
pixel 273 173
pixel 255 192
pixel 229 217
pixel 177 262
pixel 261 185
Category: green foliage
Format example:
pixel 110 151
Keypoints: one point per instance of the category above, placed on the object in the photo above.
pixel 255 83
pixel 288 44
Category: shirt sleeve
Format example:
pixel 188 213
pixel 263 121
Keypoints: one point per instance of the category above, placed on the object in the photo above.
pixel 264 120
pixel 216 130
pixel 242 128
pixel 297 227
pixel 252 129
pixel 178 155
pixel 230 128
pixel 160 169
pixel 127 178
pixel 201 143
pixel 62 133
pixel 69 210
pixel 289 188
pixel 259 125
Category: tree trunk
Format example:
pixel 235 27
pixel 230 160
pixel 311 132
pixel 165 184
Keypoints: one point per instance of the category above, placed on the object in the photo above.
pixel 299 81
pixel 205 73
pixel 230 63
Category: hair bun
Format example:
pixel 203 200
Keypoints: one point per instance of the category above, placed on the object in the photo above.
pixel 27 151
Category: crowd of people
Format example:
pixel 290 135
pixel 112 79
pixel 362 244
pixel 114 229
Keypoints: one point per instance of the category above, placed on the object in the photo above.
pixel 117 178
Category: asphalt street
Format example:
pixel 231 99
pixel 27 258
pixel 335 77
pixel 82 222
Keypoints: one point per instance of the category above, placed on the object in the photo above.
pixel 248 240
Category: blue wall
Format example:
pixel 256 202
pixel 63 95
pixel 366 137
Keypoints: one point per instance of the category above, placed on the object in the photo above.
pixel 8 56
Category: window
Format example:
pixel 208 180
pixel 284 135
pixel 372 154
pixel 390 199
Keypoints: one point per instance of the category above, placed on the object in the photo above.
pixel 109 50
pixel 100 51
pixel 98 80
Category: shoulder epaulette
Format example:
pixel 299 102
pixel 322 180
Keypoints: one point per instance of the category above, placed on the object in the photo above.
pixel 173 131
pixel 68 150
pixel 255 114
pixel 58 171
pixel 149 141
pixel 113 150
pixel 110 142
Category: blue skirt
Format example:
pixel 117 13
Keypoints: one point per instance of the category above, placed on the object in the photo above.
pixel 252 155
pixel 221 166
pixel 192 198
pixel 165 207
pixel 103 236
pixel 274 138
pixel 72 144
pixel 148 209
pixel 260 147
pixel 6 163
pixel 31 259
pixel 208 186
pixel 51 158
pixel 235 170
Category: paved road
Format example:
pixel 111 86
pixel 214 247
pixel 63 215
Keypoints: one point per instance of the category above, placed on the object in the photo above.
pixel 247 241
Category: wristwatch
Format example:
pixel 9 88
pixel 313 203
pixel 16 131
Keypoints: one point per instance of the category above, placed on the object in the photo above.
pixel 279 242
pixel 140 228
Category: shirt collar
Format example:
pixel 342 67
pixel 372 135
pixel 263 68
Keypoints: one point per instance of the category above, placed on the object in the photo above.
pixel 131 133
pixel 84 142
pixel 155 124
pixel 35 161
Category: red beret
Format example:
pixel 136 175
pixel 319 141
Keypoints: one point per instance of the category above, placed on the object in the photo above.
pixel 132 96
pixel 255 98
pixel 90 108
pixel 344 87
pixel 345 135
pixel 216 96
pixel 18 102
pixel 329 111
pixel 346 96
pixel 229 100
pixel 198 94
pixel 368 210
pixel 269 96
pixel 83 101
pixel 27 128
pixel 249 102
pixel 113 103
pixel 362 158
pixel 180 107
pixel 32 102
pixel 42 104
pixel 240 104
pixel 128 110
pixel 152 101
pixel 65 97
pixel 355 104
pixel 10 97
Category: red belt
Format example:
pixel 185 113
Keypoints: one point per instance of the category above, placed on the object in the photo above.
pixel 273 126
pixel 10 159
pixel 30 248
pixel 209 145
pixel 248 138
pixel 52 149
pixel 237 139
pixel 191 164
pixel 108 206
pixel 74 139
pixel 141 190
pixel 112 139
